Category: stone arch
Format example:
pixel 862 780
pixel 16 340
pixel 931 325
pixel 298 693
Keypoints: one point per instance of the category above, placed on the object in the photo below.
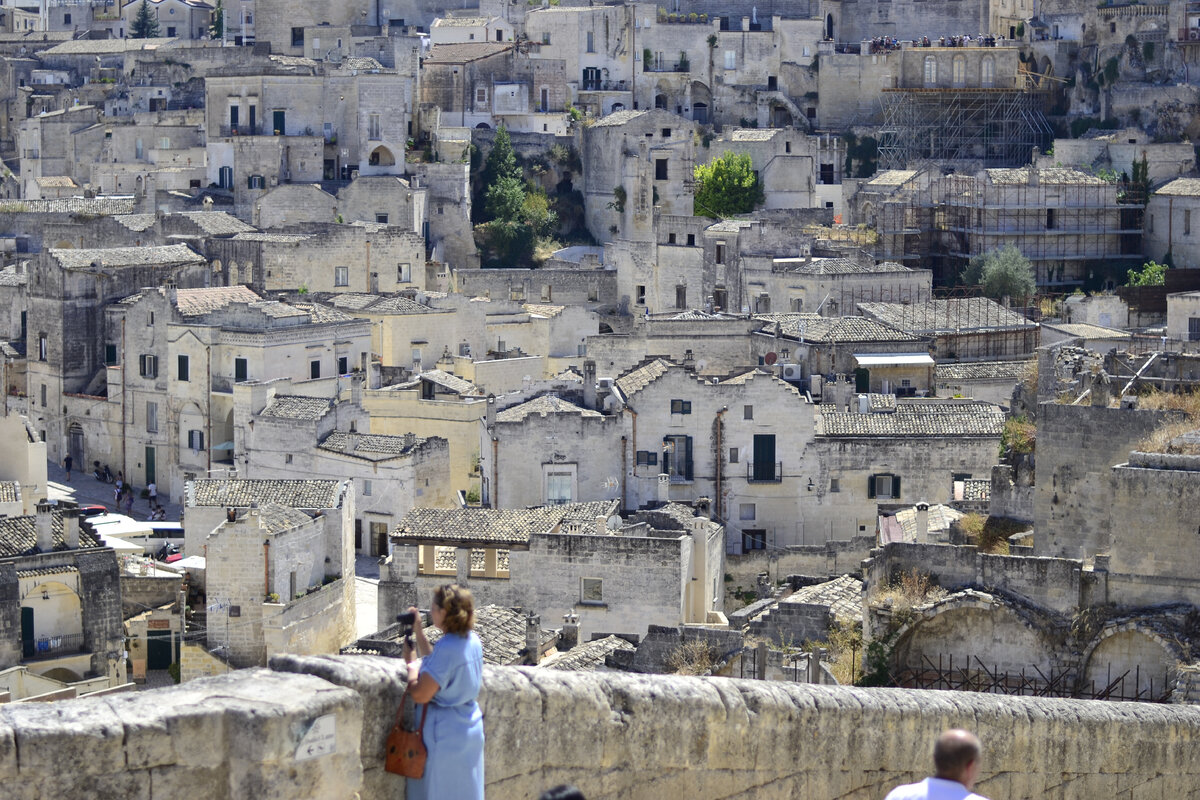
pixel 615 107
pixel 973 628
pixel 701 97
pixel 216 266
pixel 381 157
pixel 234 273
pixel 1145 658
pixel 660 101
pixel 483 126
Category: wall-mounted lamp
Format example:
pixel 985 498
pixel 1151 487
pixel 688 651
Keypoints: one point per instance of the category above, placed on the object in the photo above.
pixel 810 484
pixel 45 594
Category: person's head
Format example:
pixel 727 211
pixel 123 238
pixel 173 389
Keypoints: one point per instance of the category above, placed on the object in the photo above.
pixel 956 757
pixel 453 608
pixel 564 792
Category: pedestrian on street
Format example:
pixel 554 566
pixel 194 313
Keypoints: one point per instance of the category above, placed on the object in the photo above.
pixel 153 490
pixel 956 768
pixel 67 462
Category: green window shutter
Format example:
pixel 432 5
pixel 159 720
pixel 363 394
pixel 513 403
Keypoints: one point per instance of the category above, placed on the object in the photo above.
pixel 871 486
pixel 896 486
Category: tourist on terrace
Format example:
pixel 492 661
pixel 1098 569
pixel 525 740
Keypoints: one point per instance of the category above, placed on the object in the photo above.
pixel 447 677
pixel 956 768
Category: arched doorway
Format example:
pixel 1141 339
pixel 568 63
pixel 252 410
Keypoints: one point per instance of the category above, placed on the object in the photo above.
pixel 660 101
pixel 381 157
pixel 700 113
pixel 829 27
pixel 75 445
pixel 483 126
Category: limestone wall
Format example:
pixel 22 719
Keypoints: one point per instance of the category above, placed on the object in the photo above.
pixel 613 735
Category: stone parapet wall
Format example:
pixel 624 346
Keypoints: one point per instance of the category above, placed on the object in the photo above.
pixel 613 735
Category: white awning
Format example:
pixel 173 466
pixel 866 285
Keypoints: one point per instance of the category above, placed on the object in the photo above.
pixel 894 359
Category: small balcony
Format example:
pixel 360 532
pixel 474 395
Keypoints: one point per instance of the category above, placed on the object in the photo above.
pixel 45 647
pixel 241 130
pixel 764 471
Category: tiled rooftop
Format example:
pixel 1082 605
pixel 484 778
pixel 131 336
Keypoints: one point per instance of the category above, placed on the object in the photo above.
pixel 316 494
pixel 1181 187
pixel 275 518
pixel 18 535
pixel 1045 175
pixel 501 631
pixel 843 597
pixel 10 277
pixel 10 491
pixel 838 266
pixel 490 526
pixel 370 446
pixel 541 406
pixel 78 47
pixel 976 489
pixel 1087 331
pixel 136 222
pixel 588 656
pixel 892 177
pixel 217 223
pixel 753 134
pixel 116 257
pixel 956 315
pixel 982 370
pixel 460 22
pixel 93 206
pixel 465 52
pixel 617 118
pixel 288 406
pixel 543 309
pixel 933 418
pixel 940 517
pixel 832 330
pixel 640 377
pixel 197 302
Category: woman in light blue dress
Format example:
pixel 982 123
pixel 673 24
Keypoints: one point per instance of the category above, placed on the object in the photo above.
pixel 447 677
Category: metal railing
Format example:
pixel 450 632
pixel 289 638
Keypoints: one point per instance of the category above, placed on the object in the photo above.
pixel 241 130
pixel 51 646
pixel 764 471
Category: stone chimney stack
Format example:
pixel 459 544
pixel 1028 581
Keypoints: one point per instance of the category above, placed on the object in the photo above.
pixel 351 442
pixel 664 488
pixel 356 387
pixel 44 524
pixel 569 637
pixel 70 519
pixel 922 522
pixel 533 639
pixel 601 525
pixel 491 412
pixel 410 439
pixel 589 384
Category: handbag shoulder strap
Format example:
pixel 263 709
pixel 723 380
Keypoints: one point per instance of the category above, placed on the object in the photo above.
pixel 400 710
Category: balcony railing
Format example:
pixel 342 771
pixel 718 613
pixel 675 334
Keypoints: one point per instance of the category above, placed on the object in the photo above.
pixel 764 471
pixel 51 646
pixel 603 86
pixel 241 130
pixel 678 66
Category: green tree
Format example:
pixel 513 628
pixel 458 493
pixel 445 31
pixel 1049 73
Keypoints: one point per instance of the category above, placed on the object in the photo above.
pixel 504 199
pixel 502 160
pixel 217 29
pixel 1001 273
pixel 727 186
pixel 145 26
pixel 1151 274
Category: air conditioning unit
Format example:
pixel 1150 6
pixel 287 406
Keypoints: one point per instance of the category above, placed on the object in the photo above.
pixel 605 383
pixel 791 372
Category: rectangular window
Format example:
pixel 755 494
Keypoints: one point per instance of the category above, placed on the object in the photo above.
pixel 148 366
pixel 730 59
pixel 681 297
pixel 681 406
pixel 647 458
pixel 834 486
pixel 754 540
pixel 183 370
pixel 545 37
pixel 240 370
pixel 151 417
pixel 747 412
pixel 720 256
pixel 1049 219
pixel 43 346
pixel 670 238
pixel 287 458
pixel 297 37
pixel 314 369
pixel 341 276
pixel 343 365
pixel 734 455
pixel 746 511
pixel 1187 223
pixel 640 292
pixel 660 169
pixel 256 182
pixel 1194 329
pixel 1150 224
pixel 558 488
pixel 883 487
pixel 591 590
pixel 110 354
pixel 765 467
pixel 43 405
pixel 373 127
pixel 677 457
pixel 404 273
pixel 591 42
pixel 195 440
pixel 827 174
pixel 366 488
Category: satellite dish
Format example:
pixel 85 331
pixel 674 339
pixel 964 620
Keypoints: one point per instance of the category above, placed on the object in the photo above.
pixel 613 523
pixel 770 358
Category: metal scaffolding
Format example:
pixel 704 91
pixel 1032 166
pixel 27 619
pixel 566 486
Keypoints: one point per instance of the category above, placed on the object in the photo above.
pixel 997 126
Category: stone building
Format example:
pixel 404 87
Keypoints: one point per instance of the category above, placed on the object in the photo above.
pixel 67 342
pixel 962 329
pixel 1183 316
pixel 177 19
pixel 796 170
pixel 595 45
pixel 1168 227
pixel 710 344
pixel 62 607
pixel 832 284
pixel 279 565
pixel 658 567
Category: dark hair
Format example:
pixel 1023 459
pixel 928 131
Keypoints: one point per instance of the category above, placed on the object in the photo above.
pixel 954 751
pixel 458 605
pixel 564 792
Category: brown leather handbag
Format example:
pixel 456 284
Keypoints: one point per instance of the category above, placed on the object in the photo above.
pixel 406 749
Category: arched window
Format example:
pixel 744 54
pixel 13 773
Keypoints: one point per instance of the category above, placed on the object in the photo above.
pixel 930 71
pixel 987 73
pixel 958 76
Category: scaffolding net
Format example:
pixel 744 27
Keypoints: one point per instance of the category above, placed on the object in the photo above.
pixel 999 127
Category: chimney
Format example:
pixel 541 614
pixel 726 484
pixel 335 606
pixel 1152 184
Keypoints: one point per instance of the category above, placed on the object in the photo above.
pixel 70 520
pixel 351 442
pixel 589 384
pixel 356 387
pixel 569 637
pixel 533 639
pixel 410 439
pixel 601 525
pixel 922 532
pixel 664 488
pixel 44 525
pixel 491 411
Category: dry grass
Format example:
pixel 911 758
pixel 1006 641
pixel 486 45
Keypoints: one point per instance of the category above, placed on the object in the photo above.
pixel 990 534
pixel 1167 438
pixel 691 658
pixel 1029 381
pixel 913 588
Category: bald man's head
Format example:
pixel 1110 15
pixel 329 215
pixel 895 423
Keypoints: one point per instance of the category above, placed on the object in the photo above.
pixel 956 756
